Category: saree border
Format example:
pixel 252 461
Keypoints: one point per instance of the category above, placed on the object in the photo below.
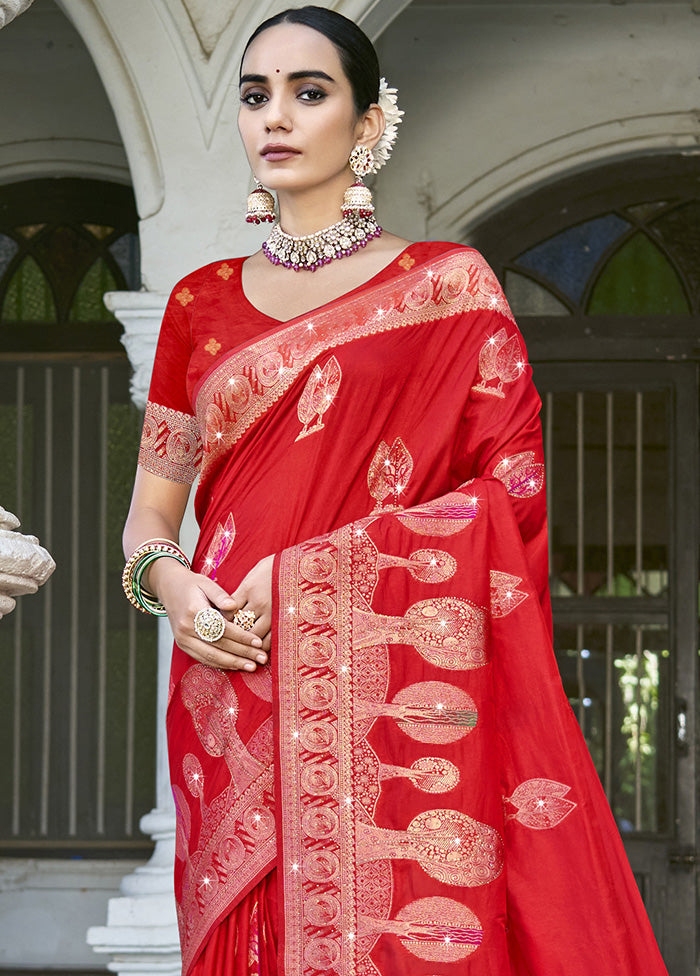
pixel 242 387
pixel 259 854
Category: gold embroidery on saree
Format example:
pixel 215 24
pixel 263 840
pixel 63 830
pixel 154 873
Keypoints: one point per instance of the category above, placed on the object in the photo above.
pixel 428 565
pixel 501 359
pixel 449 632
pixel 430 774
pixel 247 383
pixel 445 516
pixel 389 473
pixel 505 595
pixel 521 474
pixel 452 939
pixel 540 803
pixel 336 864
pixel 237 834
pixel 170 444
pixel 319 393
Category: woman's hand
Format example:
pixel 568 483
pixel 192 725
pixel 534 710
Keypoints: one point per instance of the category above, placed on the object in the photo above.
pixel 255 593
pixel 183 593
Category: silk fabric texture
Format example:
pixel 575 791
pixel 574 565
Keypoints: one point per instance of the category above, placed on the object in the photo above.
pixel 404 788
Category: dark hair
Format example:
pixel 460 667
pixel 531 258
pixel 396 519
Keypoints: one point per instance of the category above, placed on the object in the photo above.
pixel 356 51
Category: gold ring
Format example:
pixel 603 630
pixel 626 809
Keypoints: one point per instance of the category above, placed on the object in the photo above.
pixel 209 624
pixel 245 619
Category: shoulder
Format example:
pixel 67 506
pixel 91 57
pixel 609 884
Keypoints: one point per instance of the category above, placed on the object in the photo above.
pixel 216 272
pixel 447 255
pixel 429 250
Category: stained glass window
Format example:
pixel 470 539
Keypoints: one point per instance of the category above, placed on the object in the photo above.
pixel 568 259
pixel 88 305
pixel 641 260
pixel 638 280
pixel 54 272
pixel 28 297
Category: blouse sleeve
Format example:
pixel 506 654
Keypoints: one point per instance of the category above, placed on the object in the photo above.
pixel 500 436
pixel 171 445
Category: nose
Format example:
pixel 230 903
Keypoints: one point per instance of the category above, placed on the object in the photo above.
pixel 277 115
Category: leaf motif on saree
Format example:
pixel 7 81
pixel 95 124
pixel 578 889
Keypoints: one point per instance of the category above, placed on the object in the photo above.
pixel 521 474
pixel 505 595
pixel 194 777
pixel 209 697
pixel 540 803
pixel 389 472
pixel 220 546
pixel 318 395
pixel 501 359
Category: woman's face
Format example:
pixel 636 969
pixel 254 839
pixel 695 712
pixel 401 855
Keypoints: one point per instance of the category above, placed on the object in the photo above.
pixel 297 117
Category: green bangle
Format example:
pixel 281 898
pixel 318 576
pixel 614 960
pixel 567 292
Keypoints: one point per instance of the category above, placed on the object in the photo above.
pixel 135 567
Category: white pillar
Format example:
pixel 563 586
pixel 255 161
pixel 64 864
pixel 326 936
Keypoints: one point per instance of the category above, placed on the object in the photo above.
pixel 141 934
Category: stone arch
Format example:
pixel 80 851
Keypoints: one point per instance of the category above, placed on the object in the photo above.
pixel 554 160
pixel 125 99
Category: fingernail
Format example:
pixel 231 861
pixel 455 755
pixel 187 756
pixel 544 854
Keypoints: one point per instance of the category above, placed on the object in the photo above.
pixel 261 658
pixel 249 666
pixel 256 642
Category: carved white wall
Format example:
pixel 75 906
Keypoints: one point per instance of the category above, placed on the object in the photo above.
pixel 512 95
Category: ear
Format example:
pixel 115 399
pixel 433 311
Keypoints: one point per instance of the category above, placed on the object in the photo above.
pixel 370 127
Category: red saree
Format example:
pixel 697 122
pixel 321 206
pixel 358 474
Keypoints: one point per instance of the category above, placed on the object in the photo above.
pixel 408 765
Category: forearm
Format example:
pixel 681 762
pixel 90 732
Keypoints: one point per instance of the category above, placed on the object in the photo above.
pixel 148 523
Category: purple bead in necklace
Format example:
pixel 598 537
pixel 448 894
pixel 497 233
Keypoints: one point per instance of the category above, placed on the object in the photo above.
pixel 314 250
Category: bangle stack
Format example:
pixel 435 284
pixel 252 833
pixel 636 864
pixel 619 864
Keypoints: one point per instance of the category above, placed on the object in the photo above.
pixel 137 564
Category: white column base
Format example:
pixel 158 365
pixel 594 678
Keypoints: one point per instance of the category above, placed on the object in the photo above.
pixel 141 933
pixel 140 312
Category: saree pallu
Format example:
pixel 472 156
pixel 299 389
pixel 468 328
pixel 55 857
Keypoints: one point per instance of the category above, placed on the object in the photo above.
pixel 408 762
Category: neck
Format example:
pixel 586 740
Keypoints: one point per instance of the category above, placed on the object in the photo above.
pixel 308 211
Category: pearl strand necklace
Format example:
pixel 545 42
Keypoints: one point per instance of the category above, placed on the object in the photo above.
pixel 313 250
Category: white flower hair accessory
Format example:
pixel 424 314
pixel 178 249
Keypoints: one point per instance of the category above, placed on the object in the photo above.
pixel 387 102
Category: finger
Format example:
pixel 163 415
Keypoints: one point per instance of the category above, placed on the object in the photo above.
pixel 217 595
pixel 217 657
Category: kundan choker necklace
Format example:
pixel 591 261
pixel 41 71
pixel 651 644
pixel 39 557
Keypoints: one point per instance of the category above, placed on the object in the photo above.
pixel 313 250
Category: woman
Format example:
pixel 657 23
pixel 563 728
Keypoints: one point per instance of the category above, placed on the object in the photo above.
pixel 374 765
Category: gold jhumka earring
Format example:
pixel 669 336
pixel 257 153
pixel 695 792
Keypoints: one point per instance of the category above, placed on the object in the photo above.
pixel 357 201
pixel 261 205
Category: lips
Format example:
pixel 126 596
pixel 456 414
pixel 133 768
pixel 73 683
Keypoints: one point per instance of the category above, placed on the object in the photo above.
pixel 274 152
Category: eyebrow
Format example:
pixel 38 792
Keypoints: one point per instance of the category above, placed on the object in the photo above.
pixel 292 76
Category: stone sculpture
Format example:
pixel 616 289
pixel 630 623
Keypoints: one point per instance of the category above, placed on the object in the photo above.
pixel 24 564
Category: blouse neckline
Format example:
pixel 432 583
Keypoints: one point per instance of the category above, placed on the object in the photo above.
pixel 390 269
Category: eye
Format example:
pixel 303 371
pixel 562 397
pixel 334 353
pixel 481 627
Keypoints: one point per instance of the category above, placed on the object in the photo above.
pixel 312 95
pixel 253 98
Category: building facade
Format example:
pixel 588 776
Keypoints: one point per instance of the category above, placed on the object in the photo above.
pixel 562 139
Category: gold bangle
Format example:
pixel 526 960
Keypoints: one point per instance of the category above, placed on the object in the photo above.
pixel 145 601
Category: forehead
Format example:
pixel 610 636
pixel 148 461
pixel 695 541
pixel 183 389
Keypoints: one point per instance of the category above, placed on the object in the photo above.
pixel 292 47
